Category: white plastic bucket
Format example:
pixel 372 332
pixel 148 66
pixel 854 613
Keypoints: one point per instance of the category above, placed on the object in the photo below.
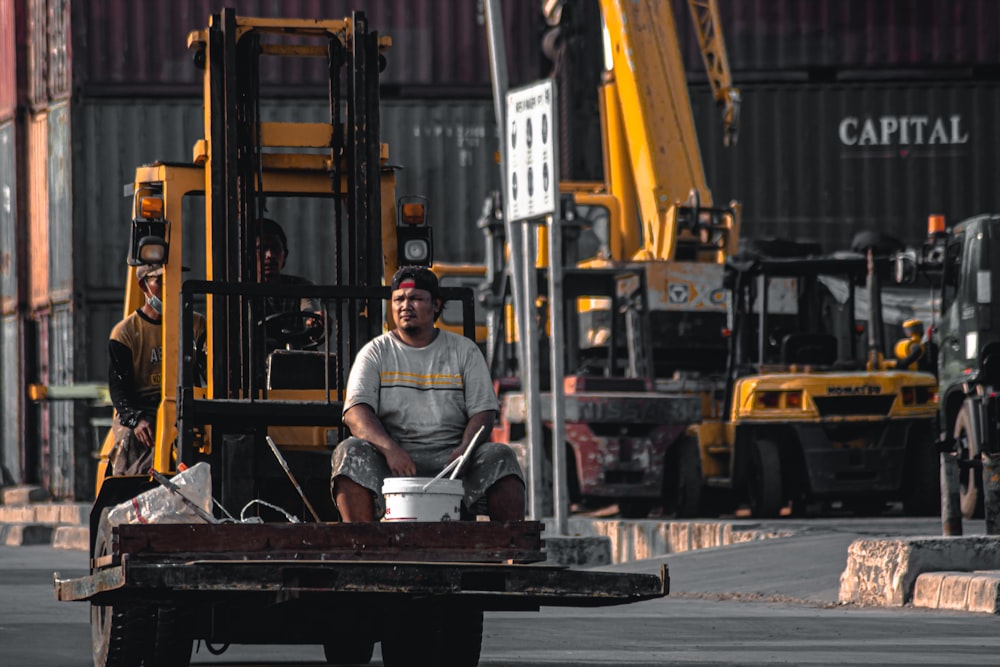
pixel 406 499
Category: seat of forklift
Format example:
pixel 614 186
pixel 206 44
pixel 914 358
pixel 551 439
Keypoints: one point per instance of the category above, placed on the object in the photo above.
pixel 818 349
pixel 301 369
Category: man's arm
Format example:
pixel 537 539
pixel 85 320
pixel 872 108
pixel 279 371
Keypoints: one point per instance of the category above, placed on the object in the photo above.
pixel 483 419
pixel 121 383
pixel 365 424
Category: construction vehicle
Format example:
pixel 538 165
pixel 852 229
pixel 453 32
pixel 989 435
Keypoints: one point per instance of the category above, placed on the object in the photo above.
pixel 956 263
pixel 811 411
pixel 644 254
pixel 270 563
pixel 824 448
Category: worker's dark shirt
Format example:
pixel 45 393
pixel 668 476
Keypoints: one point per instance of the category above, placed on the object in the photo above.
pixel 134 374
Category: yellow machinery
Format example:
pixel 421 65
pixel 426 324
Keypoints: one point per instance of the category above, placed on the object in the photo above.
pixel 653 222
pixel 271 563
pixel 811 410
pixel 201 216
pixel 643 279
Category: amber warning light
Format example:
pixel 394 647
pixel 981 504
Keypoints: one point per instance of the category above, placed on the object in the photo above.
pixel 935 225
pixel 413 213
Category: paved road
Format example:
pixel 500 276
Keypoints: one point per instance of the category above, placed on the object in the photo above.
pixel 771 602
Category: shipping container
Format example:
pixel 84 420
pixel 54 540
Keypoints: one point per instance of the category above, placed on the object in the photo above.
pixel 32 47
pixel 438 46
pixel 59 188
pixel 8 218
pixel 445 151
pixel 12 393
pixel 70 465
pixel 8 62
pixel 38 209
pixel 823 162
pixel 58 65
pixel 852 38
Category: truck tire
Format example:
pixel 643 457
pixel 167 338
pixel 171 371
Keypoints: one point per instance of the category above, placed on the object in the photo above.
pixel 682 494
pixel 764 483
pixel 120 634
pixel 970 477
pixel 433 634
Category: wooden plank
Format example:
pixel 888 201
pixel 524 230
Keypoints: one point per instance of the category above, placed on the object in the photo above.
pixel 474 541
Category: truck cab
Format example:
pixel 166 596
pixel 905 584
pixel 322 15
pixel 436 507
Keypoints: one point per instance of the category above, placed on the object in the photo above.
pixel 956 262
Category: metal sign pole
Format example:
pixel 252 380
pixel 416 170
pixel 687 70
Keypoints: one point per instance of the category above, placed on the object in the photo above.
pixel 532 194
pixel 560 502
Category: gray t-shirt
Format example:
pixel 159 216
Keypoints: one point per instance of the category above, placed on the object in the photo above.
pixel 424 396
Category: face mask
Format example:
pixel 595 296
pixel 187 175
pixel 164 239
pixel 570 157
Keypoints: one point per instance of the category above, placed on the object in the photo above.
pixel 155 303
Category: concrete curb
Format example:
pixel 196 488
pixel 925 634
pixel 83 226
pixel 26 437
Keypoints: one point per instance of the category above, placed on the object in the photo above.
pixel 959 591
pixel 883 572
pixel 75 538
pixel 648 538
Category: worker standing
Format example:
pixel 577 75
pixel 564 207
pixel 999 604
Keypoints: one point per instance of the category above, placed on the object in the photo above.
pixel 135 353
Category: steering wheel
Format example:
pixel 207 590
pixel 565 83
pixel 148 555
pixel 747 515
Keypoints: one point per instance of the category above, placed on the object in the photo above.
pixel 301 329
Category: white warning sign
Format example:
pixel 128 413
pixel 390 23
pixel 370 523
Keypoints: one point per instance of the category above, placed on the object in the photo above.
pixel 532 189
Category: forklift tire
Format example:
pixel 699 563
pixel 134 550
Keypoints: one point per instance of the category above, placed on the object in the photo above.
pixel 174 639
pixel 764 484
pixel 120 634
pixel 433 634
pixel 349 651
pixel 970 477
pixel 682 496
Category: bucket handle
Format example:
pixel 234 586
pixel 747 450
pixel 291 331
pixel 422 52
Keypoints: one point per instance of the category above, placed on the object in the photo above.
pixel 456 465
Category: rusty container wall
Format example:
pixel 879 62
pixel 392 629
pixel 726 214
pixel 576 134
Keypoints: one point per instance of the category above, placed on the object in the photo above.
pixel 8 219
pixel 806 39
pixel 8 62
pixel 32 47
pixel 12 392
pixel 70 462
pixel 58 69
pixel 59 188
pixel 446 149
pixel 823 162
pixel 38 209
pixel 438 45
pixel 39 413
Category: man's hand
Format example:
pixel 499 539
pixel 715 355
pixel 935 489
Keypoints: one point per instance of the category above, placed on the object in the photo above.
pixel 400 463
pixel 144 432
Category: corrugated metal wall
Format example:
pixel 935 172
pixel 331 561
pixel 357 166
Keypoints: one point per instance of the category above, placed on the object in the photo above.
pixel 69 465
pixel 8 218
pixel 844 38
pixel 33 47
pixel 10 341
pixel 38 209
pixel 437 44
pixel 60 200
pixel 58 72
pixel 8 62
pixel 11 401
pixel 446 150
pixel 824 162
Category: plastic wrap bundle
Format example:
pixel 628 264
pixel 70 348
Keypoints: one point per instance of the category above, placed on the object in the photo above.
pixel 161 505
